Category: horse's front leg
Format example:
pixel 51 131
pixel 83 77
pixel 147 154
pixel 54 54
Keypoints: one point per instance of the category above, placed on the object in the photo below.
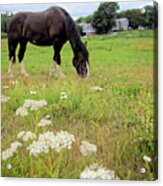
pixel 55 68
pixel 22 69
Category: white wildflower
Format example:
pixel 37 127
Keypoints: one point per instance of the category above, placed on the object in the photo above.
pixel 33 92
pixel 33 104
pixel 21 111
pixel 48 140
pixel 87 148
pixel 26 135
pixel 63 95
pixel 147 158
pixel 15 145
pixel 20 134
pixel 44 122
pixel 7 154
pixel 97 89
pixel 42 144
pixel 4 99
pixel 63 139
pixel 10 151
pixel 95 171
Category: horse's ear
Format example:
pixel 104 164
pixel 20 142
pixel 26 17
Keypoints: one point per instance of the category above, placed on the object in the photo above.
pixel 85 43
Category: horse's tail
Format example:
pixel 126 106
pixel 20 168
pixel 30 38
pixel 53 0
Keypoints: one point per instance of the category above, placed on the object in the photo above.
pixel 14 33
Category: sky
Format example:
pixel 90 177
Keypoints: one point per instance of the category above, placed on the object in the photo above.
pixel 76 10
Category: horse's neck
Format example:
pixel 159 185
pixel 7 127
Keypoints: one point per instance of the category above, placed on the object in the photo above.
pixel 76 45
pixel 73 35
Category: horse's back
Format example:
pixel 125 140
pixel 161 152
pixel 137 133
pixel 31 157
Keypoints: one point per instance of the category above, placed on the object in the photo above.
pixel 38 26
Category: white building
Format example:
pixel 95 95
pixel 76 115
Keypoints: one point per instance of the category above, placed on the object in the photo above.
pixel 121 24
pixel 87 28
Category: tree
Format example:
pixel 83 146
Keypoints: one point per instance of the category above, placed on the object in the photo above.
pixel 137 18
pixel 4 20
pixel 80 29
pixel 87 19
pixel 80 20
pixel 155 15
pixel 150 16
pixel 134 16
pixel 104 18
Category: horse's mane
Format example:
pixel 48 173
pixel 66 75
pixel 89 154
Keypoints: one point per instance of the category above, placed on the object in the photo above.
pixel 74 36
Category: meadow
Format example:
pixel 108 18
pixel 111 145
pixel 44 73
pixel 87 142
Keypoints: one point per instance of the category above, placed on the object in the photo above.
pixel 112 109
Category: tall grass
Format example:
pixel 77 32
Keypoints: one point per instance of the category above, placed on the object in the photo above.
pixel 119 119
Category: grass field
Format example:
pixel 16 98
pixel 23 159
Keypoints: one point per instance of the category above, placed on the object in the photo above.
pixel 118 120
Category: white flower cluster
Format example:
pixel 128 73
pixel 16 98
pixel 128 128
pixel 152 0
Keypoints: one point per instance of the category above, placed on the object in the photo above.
pixel 21 111
pixel 63 139
pixel 4 99
pixel 32 104
pixel 26 135
pixel 87 148
pixel 10 151
pixel 94 171
pixel 63 95
pixel 48 140
pixel 42 144
pixel 44 122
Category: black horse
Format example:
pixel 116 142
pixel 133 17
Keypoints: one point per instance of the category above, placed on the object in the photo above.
pixel 53 26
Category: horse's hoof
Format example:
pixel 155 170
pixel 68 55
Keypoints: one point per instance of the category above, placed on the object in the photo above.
pixel 62 75
pixel 10 75
pixel 55 76
pixel 59 75
pixel 24 74
pixel 50 75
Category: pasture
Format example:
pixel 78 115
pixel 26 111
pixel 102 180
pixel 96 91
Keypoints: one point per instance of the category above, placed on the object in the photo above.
pixel 118 118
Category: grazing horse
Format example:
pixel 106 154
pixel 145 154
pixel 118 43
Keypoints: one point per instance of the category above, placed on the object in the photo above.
pixel 53 26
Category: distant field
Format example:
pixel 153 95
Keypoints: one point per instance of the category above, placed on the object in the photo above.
pixel 3 35
pixel 118 120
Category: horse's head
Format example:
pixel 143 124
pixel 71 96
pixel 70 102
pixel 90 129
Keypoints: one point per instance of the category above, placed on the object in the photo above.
pixel 81 62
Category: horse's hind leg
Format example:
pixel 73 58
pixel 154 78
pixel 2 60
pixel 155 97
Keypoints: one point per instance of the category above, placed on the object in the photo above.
pixel 23 44
pixel 12 44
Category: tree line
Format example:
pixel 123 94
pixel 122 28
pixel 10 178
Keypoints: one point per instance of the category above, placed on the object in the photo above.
pixel 4 20
pixel 104 18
